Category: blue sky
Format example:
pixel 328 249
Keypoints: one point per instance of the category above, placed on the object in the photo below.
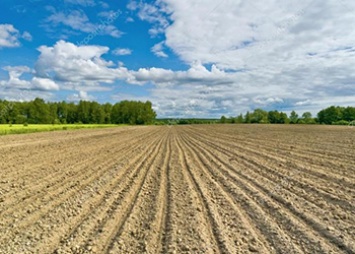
pixel 197 58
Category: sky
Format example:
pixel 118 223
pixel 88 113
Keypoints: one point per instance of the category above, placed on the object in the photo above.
pixel 190 58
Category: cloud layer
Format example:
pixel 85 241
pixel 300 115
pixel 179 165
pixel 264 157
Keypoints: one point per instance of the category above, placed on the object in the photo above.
pixel 240 55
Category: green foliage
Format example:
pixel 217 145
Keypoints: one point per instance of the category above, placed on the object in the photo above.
pixel 133 112
pixel 341 122
pixel 86 112
pixel 294 117
pixel 240 119
pixel 223 119
pixel 30 128
pixel 259 116
pixel 333 114
pixel 307 118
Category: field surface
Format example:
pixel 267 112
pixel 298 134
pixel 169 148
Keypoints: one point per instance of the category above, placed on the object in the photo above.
pixel 180 189
pixel 6 129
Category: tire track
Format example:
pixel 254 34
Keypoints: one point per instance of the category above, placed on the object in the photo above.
pixel 294 214
pixel 147 213
pixel 111 225
pixel 244 153
pixel 249 211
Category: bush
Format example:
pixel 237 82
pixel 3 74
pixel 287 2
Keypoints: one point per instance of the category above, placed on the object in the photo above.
pixel 25 124
pixel 341 122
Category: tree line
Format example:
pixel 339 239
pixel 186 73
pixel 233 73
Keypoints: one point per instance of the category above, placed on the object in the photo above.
pixel 86 112
pixel 332 115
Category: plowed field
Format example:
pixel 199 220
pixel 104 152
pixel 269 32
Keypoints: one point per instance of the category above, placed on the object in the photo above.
pixel 181 189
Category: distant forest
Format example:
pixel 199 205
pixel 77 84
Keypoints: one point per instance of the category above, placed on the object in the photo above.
pixel 331 115
pixel 40 112
pixel 138 113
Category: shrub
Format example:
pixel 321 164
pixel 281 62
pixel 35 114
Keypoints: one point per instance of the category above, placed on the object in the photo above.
pixel 341 122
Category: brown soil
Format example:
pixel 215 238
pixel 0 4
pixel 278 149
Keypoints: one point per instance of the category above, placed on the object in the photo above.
pixel 182 189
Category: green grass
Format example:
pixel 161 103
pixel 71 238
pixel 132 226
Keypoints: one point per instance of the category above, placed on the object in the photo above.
pixel 20 128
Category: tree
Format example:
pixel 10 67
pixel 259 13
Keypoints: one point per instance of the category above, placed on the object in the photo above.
pixel 223 119
pixel 330 115
pixel 293 117
pixel 133 112
pixel 38 112
pixel 83 112
pixel 274 117
pixel 349 114
pixel 240 119
pixel 284 118
pixel 247 117
pixel 62 112
pixel 307 118
pixel 259 116
pixel 107 108
pixel 53 113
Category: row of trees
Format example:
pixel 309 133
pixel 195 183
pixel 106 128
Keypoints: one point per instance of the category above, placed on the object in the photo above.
pixel 87 112
pixel 330 115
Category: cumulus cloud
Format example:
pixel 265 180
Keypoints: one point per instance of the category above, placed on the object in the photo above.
pixel 44 84
pixel 269 54
pixel 66 62
pixel 9 36
pixel 16 82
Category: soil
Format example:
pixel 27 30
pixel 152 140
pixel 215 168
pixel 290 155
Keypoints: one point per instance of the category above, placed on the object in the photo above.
pixel 179 189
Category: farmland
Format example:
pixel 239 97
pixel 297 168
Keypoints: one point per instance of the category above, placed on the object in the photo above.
pixel 179 189
pixel 31 128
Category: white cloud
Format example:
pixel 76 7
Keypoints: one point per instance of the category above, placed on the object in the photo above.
pixel 17 83
pixel 104 5
pixel 122 51
pixel 79 66
pixel 44 84
pixel 270 54
pixel 9 36
pixel 27 36
pixel 78 20
pixel 157 49
pixel 81 95
pixel 107 14
pixel 154 13
pixel 81 2
pixel 129 20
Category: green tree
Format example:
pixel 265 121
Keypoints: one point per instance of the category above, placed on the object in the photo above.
pixel 247 118
pixel 349 114
pixel 83 112
pixel 223 119
pixel 307 118
pixel 62 112
pixel 293 117
pixel 259 116
pixel 107 108
pixel 38 112
pixel 284 118
pixel 133 112
pixel 274 116
pixel 331 115
pixel 240 119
